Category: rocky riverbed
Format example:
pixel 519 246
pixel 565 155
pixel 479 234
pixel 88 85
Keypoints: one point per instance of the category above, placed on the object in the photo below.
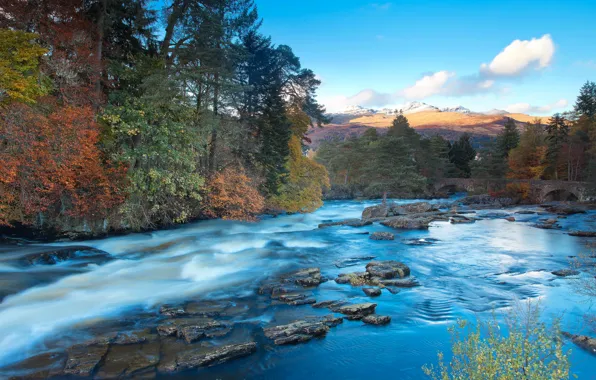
pixel 369 287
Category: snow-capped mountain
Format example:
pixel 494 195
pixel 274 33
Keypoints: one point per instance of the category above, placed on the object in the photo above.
pixel 406 108
pixel 355 110
pixel 458 109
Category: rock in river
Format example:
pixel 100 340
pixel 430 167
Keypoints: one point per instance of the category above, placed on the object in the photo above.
pixel 590 234
pixel 388 269
pixel 358 309
pixel 83 359
pixel 565 272
pixel 374 319
pixel 347 222
pixel 201 357
pixel 582 341
pixel 372 292
pixel 382 236
pixel 301 330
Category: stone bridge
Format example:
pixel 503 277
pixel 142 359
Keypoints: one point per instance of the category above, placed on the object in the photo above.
pixel 539 190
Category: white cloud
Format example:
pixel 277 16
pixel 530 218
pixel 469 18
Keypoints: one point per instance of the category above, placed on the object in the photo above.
pixel 364 98
pixel 520 56
pixel 428 85
pixel 527 108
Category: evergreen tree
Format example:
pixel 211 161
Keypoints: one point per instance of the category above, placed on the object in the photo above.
pixel 557 132
pixel 586 100
pixel 508 138
pixel 438 163
pixel 461 154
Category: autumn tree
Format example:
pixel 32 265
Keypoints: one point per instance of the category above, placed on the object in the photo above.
pixel 20 77
pixel 528 159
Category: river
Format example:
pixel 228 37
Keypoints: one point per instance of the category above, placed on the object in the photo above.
pixel 470 270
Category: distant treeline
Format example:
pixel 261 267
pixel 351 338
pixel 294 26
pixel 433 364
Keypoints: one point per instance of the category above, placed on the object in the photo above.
pixel 404 163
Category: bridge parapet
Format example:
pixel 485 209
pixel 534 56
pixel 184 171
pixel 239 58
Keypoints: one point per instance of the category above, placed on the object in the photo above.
pixel 539 190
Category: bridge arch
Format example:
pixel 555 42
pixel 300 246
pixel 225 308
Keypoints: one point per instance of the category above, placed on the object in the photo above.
pixel 551 195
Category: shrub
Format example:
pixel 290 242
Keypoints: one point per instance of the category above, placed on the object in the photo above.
pixel 231 195
pixel 530 350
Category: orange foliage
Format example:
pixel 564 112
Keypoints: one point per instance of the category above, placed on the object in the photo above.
pixel 51 165
pixel 232 196
pixel 518 190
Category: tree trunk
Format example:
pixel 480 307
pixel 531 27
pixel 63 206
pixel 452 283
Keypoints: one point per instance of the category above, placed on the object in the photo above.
pixel 178 8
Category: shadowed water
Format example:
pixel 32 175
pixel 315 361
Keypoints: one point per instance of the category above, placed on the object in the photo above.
pixel 470 270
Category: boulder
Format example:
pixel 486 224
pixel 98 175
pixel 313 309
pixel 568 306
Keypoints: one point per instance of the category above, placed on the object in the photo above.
pixel 565 272
pixel 382 236
pixel 510 219
pixel 417 208
pixel 387 269
pixel 372 292
pixel 408 222
pixel 308 277
pixel 378 211
pixel 360 309
pixel 172 311
pixel 374 319
pixel 202 357
pixel 585 342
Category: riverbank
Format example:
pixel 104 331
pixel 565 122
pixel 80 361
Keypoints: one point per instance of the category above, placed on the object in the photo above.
pixel 216 288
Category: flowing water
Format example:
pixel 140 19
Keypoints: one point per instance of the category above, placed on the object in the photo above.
pixel 470 270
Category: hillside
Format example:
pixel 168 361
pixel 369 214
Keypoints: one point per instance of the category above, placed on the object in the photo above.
pixel 426 119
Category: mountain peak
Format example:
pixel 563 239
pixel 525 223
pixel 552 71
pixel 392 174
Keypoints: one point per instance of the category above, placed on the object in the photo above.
pixel 458 109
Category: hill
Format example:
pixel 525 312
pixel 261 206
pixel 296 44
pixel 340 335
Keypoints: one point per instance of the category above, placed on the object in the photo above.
pixel 426 119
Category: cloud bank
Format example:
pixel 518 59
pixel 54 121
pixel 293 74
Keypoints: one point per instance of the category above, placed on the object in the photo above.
pixel 527 108
pixel 519 58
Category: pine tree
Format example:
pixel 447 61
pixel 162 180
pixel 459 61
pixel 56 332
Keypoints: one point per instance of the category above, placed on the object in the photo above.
pixel 586 100
pixel 508 138
pixel 461 154
pixel 557 132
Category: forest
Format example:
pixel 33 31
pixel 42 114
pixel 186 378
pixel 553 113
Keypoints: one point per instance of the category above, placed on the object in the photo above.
pixel 403 163
pixel 133 115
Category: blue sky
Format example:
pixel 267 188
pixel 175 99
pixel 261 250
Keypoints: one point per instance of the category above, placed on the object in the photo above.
pixel 537 54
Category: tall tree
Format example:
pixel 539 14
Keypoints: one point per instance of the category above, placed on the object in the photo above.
pixel 508 138
pixel 461 154
pixel 557 132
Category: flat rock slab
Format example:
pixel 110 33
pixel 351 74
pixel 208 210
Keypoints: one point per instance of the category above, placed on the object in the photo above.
pixel 347 222
pixel 357 309
pixel 130 360
pixel 301 330
pixel 374 319
pixel 382 236
pixel 201 357
pixel 191 329
pixel 83 359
